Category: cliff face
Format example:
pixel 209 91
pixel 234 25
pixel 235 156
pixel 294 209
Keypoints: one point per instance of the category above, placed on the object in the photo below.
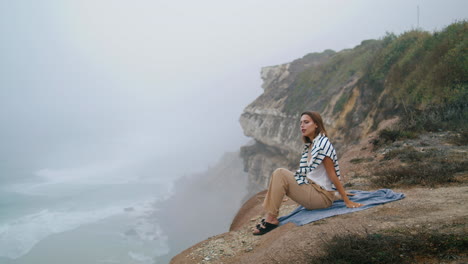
pixel 274 127
pixel 416 87
pixel 275 132
pixel 355 90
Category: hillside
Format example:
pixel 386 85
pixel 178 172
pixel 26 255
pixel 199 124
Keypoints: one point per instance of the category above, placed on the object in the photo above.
pixel 434 211
pixel 418 77
pixel 396 111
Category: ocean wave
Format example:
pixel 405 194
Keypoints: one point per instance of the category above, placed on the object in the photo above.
pixel 72 206
pixel 20 236
pixel 148 233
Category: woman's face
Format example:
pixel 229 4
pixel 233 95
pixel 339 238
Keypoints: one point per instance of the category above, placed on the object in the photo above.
pixel 308 126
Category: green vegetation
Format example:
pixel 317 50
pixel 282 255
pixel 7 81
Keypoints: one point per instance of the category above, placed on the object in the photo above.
pixel 460 139
pixel 387 136
pixel 420 76
pixel 361 160
pixel 428 168
pixel 421 69
pixel 313 87
pixel 341 102
pixel 452 115
pixel 407 246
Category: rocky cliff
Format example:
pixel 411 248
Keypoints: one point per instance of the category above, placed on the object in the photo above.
pixel 396 110
pixel 407 77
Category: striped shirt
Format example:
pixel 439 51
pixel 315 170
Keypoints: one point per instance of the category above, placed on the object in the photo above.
pixel 321 148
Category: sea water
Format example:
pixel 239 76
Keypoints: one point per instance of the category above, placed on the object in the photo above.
pixel 70 222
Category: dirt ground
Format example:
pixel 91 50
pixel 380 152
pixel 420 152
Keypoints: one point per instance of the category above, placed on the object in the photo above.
pixel 443 208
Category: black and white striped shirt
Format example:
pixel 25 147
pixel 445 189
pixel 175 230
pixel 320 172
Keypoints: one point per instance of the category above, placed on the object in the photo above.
pixel 321 148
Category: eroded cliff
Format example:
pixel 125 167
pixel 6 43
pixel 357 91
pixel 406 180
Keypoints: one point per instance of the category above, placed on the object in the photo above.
pixel 396 110
pixel 408 77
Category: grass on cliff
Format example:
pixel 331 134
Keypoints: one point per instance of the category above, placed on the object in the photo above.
pixel 420 76
pixel 410 246
pixel 313 87
pixel 422 69
pixel 451 116
pixel 428 168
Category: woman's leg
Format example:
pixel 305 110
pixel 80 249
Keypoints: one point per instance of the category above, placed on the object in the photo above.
pixel 283 183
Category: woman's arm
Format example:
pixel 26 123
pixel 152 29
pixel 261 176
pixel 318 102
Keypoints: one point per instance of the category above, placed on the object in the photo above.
pixel 330 168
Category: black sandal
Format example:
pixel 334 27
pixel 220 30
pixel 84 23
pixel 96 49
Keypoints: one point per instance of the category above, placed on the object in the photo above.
pixel 258 226
pixel 264 227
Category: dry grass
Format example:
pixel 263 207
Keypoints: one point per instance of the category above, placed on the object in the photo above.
pixel 405 246
pixel 430 167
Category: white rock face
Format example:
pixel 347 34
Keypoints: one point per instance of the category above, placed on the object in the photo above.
pixel 274 75
pixel 278 142
pixel 272 128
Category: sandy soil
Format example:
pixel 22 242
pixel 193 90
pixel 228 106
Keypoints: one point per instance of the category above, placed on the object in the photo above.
pixel 443 209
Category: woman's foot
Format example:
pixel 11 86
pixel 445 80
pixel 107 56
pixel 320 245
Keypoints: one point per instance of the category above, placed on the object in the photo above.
pixel 266 225
pixel 264 228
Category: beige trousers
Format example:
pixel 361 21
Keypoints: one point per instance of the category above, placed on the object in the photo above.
pixel 282 182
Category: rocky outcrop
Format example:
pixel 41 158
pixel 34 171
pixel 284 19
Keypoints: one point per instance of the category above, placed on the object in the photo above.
pixel 417 80
pixel 425 209
pixel 416 76
pixel 276 131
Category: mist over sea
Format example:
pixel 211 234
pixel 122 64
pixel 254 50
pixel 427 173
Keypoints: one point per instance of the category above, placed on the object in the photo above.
pixel 105 105
pixel 47 221
pixel 92 215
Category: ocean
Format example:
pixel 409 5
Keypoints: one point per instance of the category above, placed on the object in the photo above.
pixel 46 222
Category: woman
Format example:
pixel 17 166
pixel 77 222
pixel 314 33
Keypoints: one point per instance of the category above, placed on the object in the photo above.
pixel 312 184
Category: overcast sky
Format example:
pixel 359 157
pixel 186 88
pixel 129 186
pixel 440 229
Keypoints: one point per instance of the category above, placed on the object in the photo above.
pixel 107 86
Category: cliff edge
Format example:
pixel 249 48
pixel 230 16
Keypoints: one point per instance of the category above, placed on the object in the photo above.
pixel 396 111
pixel 418 77
pixel 437 212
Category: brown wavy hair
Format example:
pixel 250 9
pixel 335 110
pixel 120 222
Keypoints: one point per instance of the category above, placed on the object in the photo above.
pixel 318 121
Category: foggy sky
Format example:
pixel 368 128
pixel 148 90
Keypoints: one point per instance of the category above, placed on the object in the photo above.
pixel 155 88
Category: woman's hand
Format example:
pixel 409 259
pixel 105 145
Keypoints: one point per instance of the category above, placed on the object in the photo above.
pixel 351 204
pixel 329 167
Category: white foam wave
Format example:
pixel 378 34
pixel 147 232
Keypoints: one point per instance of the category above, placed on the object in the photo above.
pixel 153 242
pixel 20 236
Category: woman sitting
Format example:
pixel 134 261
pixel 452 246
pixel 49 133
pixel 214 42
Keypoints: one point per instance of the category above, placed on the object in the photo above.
pixel 312 184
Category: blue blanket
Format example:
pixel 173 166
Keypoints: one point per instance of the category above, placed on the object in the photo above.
pixel 301 216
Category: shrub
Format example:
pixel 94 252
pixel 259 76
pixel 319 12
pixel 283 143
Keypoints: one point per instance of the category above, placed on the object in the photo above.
pixel 360 160
pixel 428 168
pixel 339 105
pixel 460 139
pixel 387 136
pixel 397 248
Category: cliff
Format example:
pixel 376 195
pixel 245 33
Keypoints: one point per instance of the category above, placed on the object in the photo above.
pixel 428 226
pixel 396 111
pixel 418 77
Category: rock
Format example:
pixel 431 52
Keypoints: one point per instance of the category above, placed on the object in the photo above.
pixel 297 244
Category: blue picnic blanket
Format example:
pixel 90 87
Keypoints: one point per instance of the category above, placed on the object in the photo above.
pixel 301 216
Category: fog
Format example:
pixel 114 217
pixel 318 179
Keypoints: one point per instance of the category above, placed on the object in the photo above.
pixel 112 86
pixel 105 104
